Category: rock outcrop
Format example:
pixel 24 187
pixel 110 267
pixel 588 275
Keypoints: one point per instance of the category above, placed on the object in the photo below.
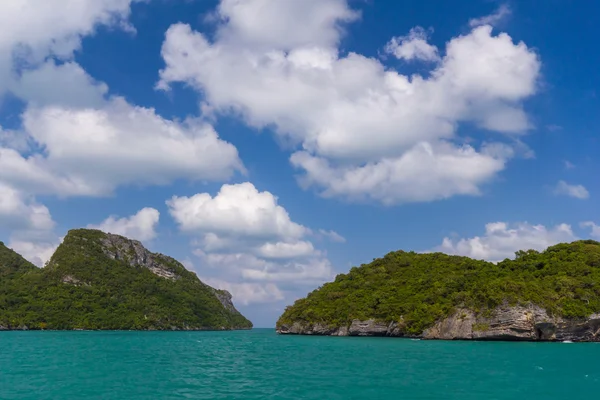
pixel 510 323
pixel 225 298
pixel 135 254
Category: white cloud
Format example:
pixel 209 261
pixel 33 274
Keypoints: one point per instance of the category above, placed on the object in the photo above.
pixel 238 210
pixel 413 46
pixel 286 250
pixel 500 14
pixel 29 223
pixel 290 24
pixel 19 212
pixel 65 85
pixel 140 226
pixel 242 235
pixel 14 140
pixel 594 229
pixel 331 235
pixel 91 151
pixel 502 240
pixel 33 30
pixel 247 293
pixel 248 267
pixel 352 115
pixel 429 173
pixel 576 191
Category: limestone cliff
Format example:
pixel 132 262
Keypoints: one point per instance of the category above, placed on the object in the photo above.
pixel 509 323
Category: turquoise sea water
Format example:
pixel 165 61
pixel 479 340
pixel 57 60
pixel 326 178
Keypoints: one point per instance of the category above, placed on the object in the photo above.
pixel 259 364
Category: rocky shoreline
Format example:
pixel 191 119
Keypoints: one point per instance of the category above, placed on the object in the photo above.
pixel 508 323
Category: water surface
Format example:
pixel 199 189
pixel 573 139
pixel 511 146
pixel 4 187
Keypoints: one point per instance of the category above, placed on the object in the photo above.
pixel 259 364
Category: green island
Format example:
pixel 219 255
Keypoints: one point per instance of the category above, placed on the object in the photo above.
pixel 549 295
pixel 99 281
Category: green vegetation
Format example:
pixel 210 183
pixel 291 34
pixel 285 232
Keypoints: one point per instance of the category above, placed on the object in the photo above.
pixel 416 290
pixel 83 287
pixel 12 264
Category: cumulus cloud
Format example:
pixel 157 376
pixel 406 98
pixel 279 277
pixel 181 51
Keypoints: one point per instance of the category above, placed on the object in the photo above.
pixel 357 121
pixel 64 84
pixel 290 24
pixel 237 210
pixel 594 229
pixel 430 173
pixel 501 240
pixel 576 191
pixel 247 292
pixel 497 16
pixel 17 211
pixel 34 30
pixel 413 46
pixel 244 237
pixel 140 226
pixel 91 151
pixel 30 225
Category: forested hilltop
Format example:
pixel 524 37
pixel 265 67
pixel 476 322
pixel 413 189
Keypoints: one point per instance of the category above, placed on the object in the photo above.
pixel 544 294
pixel 96 280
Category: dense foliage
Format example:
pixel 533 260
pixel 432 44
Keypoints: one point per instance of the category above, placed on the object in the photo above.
pixel 416 290
pixel 83 288
pixel 11 263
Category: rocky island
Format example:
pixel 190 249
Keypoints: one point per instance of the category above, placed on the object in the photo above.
pixel 97 280
pixel 552 295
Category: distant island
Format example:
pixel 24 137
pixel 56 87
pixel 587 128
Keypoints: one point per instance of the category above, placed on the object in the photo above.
pixel 552 295
pixel 100 281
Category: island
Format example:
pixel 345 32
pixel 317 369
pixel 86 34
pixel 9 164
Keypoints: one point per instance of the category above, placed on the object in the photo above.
pixel 552 295
pixel 101 281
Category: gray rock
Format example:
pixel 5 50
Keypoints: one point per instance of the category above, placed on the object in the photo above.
pixel 135 254
pixel 225 298
pixel 369 327
pixel 457 326
pixel 511 323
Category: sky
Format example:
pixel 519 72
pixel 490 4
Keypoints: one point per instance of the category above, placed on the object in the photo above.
pixel 270 145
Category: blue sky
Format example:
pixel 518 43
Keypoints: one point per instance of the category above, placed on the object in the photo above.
pixel 270 145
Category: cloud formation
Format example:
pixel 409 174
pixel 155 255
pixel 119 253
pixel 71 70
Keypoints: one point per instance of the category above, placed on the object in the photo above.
pixel 140 226
pixel 413 46
pixel 362 128
pixel 34 30
pixel 497 16
pixel 244 237
pixel 577 191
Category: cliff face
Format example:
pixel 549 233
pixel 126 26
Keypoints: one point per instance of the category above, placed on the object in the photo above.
pixel 135 254
pixel 96 280
pixel 508 323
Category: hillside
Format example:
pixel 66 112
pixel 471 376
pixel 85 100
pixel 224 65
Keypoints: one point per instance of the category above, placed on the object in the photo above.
pixel 102 281
pixel 540 295
pixel 12 263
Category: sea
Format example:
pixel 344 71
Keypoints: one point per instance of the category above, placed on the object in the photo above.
pixel 259 364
